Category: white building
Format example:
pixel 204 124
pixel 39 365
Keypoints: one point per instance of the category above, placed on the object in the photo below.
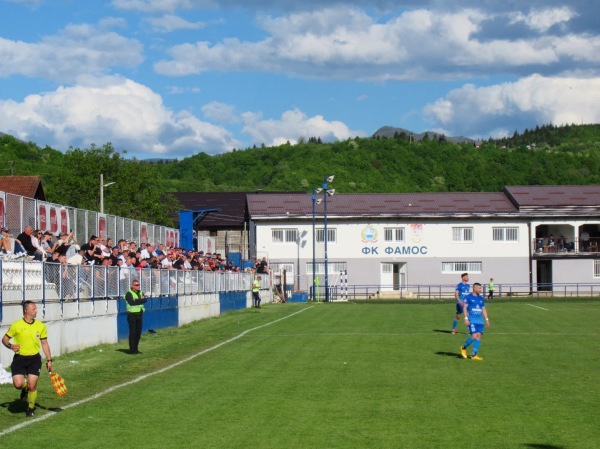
pixel 529 235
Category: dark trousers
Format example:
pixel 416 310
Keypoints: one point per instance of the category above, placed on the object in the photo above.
pixel 256 298
pixel 135 330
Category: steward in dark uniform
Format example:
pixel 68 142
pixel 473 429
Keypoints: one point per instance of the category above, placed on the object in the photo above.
pixel 135 310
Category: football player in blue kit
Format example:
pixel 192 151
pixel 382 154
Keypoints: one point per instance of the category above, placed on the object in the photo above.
pixel 460 293
pixel 476 319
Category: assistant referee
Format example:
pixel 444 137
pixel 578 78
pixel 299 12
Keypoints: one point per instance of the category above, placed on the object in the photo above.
pixel 28 334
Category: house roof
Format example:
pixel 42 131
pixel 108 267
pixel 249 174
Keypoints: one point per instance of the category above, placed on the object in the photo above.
pixel 554 196
pixel 392 204
pixel 513 200
pixel 28 186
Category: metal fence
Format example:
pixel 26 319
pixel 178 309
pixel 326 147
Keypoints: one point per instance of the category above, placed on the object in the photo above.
pixel 504 292
pixel 17 212
pixel 45 281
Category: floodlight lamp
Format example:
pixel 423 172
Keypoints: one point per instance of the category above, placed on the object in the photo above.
pixel 318 201
pixel 330 192
pixel 319 190
pixel 330 179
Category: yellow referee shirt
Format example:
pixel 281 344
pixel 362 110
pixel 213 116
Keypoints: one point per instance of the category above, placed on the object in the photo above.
pixel 28 336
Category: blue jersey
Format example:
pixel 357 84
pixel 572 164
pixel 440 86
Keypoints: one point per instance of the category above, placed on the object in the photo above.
pixel 475 305
pixel 463 291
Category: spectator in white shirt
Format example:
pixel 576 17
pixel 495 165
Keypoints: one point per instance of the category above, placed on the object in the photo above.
pixel 147 252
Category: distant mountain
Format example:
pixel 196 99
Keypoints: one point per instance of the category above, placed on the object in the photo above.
pixel 389 132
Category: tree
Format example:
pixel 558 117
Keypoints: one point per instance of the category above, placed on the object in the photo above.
pixel 137 192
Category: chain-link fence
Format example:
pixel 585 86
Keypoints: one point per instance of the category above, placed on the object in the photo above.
pixel 17 212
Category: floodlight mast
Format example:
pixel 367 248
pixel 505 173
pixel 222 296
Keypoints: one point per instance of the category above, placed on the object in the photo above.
pixel 314 201
pixel 327 193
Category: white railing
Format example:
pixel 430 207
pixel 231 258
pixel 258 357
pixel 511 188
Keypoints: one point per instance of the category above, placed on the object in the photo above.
pixel 44 281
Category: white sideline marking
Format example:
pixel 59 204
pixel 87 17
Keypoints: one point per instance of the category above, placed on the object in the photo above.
pixel 538 307
pixel 145 376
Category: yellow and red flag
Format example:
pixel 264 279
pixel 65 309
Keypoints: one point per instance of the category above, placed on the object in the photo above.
pixel 58 383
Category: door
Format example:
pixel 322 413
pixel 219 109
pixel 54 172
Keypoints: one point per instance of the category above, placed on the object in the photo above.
pixel 393 276
pixel 544 275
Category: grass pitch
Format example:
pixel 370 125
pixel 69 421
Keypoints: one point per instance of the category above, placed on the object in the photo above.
pixel 331 376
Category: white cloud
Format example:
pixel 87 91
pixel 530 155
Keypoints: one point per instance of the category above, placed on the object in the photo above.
pixel 490 111
pixel 220 112
pixel 543 19
pixel 111 109
pixel 112 22
pixel 76 50
pixel 308 5
pixel 169 22
pixel 415 45
pixel 293 125
pixel 157 5
pixel 281 5
pixel 178 90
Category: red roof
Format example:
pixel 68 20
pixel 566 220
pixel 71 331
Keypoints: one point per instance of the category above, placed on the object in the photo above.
pixel 28 186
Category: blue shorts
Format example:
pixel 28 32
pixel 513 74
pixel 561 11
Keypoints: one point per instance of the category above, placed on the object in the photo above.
pixel 459 308
pixel 476 328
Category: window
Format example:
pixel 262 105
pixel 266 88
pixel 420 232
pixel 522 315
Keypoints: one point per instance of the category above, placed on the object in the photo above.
pixel 505 234
pixel 394 234
pixel 334 267
pixel 279 267
pixel 461 267
pixel 462 235
pixel 597 268
pixel 331 235
pixel 283 235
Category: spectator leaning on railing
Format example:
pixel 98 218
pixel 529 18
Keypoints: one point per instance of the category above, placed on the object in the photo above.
pixel 78 258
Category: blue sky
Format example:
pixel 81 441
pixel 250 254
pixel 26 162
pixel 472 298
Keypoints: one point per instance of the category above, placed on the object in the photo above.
pixel 171 78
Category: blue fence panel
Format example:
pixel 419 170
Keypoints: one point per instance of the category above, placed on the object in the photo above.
pixel 299 297
pixel 229 301
pixel 160 313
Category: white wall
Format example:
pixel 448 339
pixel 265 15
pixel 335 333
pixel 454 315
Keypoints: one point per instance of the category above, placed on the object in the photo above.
pixel 363 247
pixel 79 325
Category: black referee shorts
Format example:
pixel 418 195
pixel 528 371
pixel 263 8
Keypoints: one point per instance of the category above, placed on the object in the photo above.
pixel 26 364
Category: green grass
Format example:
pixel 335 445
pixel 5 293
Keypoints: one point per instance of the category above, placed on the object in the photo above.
pixel 334 376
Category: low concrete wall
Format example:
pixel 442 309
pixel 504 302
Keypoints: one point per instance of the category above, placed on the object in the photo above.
pixel 78 325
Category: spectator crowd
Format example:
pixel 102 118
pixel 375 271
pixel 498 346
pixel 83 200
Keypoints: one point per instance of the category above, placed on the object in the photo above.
pixel 63 248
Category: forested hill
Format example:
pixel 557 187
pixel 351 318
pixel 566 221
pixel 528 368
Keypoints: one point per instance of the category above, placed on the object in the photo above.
pixel 545 155
pixel 400 165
